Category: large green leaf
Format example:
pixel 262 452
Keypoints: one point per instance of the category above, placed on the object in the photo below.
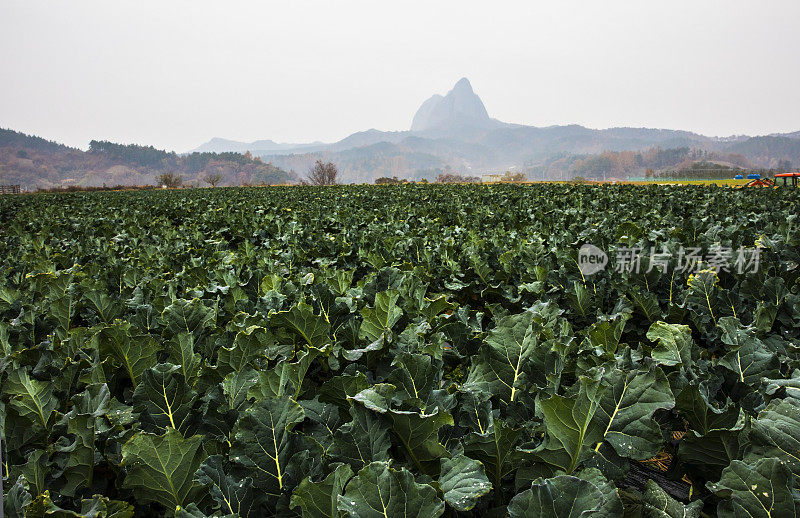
pixel 701 295
pixel 612 503
pixel 105 307
pixel 356 354
pixel 776 432
pixel 249 344
pixel 571 426
pixel 164 399
pixel 646 303
pixel 604 335
pixel 701 415
pixel 475 410
pixel 416 377
pixel 321 499
pixel 627 404
pixel 33 399
pixel 580 299
pixel 324 420
pixel 362 440
pixel 337 389
pixel 378 398
pixel 760 490
pixel 134 351
pixel 658 504
pixel 34 471
pixel 63 310
pixel 181 352
pixel 748 358
pixel 188 316
pixel 463 482
pixel 379 491
pixel 516 354
pixel 17 497
pixel 418 432
pixel 264 442
pixel 301 320
pixel 232 495
pixel 378 320
pixel 161 468
pixel 560 497
pixel 286 378
pixel 710 453
pixel 78 468
pixel 674 344
pixel 237 385
pixel 496 449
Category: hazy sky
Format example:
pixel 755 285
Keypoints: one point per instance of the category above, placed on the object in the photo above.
pixel 176 73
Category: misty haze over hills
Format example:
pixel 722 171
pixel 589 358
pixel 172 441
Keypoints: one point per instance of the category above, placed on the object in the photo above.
pixel 454 132
pixel 449 134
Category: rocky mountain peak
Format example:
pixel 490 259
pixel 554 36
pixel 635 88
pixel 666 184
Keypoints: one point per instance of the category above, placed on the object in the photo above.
pixel 461 107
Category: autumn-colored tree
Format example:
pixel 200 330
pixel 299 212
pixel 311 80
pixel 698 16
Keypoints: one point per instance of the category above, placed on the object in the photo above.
pixel 322 173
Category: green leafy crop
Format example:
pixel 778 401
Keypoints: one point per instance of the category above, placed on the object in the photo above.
pixel 392 351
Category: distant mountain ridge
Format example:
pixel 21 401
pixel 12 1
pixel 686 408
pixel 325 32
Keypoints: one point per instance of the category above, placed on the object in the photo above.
pixel 450 133
pixel 455 131
pixel 221 145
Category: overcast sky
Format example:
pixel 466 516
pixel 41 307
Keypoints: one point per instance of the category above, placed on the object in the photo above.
pixel 176 73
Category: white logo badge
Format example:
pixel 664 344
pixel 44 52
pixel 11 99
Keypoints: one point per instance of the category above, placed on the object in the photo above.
pixel 591 259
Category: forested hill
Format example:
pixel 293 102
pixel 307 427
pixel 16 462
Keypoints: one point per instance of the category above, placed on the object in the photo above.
pixel 35 162
pixel 9 138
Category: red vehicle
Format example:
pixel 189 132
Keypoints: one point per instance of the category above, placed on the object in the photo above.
pixel 786 176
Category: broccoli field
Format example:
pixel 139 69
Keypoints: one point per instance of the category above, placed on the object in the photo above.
pixel 392 351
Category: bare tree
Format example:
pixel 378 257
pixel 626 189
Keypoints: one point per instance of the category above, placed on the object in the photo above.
pixel 322 173
pixel 170 180
pixel 213 179
pixel 513 177
pixel 456 178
